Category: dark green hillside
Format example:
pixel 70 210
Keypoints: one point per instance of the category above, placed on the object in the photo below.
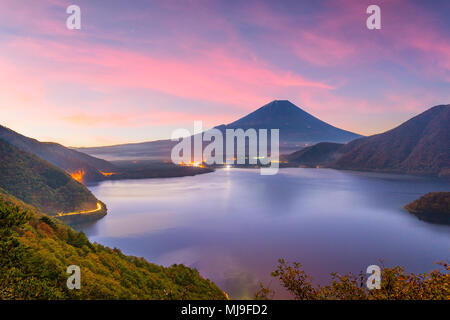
pixel 40 183
pixel 35 251
pixel 62 157
pixel 85 168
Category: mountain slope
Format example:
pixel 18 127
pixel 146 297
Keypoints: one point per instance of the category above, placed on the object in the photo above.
pixel 40 183
pixel 320 154
pixel 421 145
pixel 35 251
pixel 296 125
pixel 67 159
pixel 151 150
pixel 297 129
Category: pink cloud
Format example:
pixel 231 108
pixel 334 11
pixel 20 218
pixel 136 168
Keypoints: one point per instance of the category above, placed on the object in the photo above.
pixel 227 71
pixel 321 50
pixel 338 36
pixel 215 76
pixel 152 116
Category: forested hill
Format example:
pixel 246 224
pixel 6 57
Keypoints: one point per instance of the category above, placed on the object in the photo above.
pixel 420 145
pixel 41 184
pixel 35 251
pixel 432 207
pixel 67 159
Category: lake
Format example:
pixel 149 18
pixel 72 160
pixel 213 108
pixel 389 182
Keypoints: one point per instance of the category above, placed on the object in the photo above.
pixel 234 224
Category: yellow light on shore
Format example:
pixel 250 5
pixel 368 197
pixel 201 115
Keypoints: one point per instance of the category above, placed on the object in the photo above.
pixel 99 207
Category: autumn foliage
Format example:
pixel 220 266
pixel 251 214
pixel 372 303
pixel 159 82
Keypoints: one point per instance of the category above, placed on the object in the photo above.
pixel 35 251
pixel 396 284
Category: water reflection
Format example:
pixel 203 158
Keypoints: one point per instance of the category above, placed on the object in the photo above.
pixel 234 225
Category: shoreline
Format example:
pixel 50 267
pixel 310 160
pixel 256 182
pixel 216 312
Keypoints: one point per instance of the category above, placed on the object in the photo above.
pixel 83 217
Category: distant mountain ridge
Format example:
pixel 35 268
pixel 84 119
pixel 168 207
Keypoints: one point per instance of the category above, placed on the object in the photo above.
pixel 420 145
pixel 297 129
pixel 64 158
pixel 86 169
pixel 319 154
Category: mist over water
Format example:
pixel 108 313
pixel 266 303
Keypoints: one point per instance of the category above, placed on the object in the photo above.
pixel 233 225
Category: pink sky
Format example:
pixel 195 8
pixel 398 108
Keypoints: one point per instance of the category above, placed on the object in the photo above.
pixel 135 72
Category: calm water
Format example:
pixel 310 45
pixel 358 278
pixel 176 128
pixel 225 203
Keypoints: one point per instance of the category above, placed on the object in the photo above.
pixel 233 225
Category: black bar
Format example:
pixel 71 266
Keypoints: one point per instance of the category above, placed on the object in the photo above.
pixel 234 309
